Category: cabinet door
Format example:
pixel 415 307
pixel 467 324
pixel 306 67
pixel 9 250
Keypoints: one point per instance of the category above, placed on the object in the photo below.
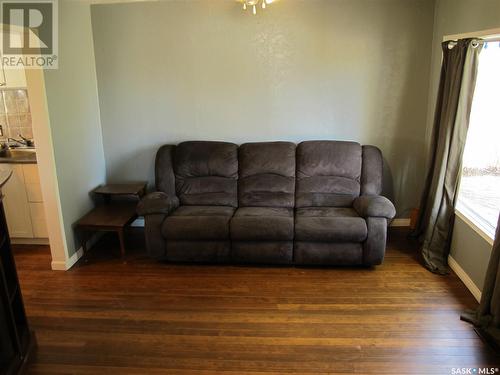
pixel 15 203
pixel 32 180
pixel 15 78
pixel 38 220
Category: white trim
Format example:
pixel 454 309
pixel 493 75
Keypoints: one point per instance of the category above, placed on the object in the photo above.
pixel 35 82
pixel 58 265
pixel 486 236
pixel 67 264
pixel 462 275
pixel 484 34
pixel 29 241
pixel 401 222
pixel 46 165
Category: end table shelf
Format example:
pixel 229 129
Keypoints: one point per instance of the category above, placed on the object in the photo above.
pixel 114 215
pixel 109 191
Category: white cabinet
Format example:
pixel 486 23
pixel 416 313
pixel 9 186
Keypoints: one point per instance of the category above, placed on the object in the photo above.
pixel 38 220
pixel 14 78
pixel 35 200
pixel 23 202
pixel 32 181
pixel 17 210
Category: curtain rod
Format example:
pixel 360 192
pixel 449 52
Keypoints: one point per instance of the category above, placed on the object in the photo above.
pixel 479 40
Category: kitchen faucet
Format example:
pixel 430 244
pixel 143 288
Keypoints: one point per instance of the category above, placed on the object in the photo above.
pixel 23 141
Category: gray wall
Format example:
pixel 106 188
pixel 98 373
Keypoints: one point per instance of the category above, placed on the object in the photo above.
pixel 469 249
pixel 317 69
pixel 74 115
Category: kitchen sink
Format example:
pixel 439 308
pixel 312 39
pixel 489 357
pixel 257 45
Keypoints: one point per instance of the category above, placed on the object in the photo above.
pixel 15 153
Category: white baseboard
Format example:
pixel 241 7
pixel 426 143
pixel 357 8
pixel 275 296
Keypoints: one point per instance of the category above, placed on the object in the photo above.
pixel 402 222
pixel 462 275
pixel 29 241
pixel 68 263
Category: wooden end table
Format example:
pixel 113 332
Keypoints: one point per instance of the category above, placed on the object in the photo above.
pixel 114 215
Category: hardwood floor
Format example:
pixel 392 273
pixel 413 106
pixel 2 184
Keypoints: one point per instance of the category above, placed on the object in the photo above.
pixel 144 317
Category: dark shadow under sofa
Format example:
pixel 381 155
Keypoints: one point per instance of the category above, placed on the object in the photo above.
pixel 317 203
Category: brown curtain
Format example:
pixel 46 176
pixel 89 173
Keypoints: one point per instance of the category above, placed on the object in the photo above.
pixel 487 316
pixel 451 121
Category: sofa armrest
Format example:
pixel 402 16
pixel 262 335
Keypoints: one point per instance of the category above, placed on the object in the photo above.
pixel 374 206
pixel 157 203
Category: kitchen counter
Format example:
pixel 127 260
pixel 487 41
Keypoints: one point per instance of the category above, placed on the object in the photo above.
pixel 18 157
pixel 4 177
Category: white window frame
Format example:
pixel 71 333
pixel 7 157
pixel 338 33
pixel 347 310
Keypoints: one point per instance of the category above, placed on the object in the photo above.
pixel 461 210
pixel 471 220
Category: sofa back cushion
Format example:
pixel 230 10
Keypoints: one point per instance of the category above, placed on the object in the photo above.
pixel 267 174
pixel 371 172
pixel 164 170
pixel 206 173
pixel 328 173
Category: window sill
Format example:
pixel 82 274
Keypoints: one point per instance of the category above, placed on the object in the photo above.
pixel 465 215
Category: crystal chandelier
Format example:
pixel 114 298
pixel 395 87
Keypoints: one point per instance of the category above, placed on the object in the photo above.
pixel 254 4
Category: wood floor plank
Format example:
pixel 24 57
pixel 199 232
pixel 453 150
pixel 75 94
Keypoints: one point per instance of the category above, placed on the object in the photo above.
pixel 144 317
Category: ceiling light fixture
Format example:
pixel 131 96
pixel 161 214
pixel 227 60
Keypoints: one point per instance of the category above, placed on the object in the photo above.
pixel 254 4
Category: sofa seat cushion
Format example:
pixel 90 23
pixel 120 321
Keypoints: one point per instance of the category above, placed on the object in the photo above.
pixel 198 223
pixel 262 223
pixel 329 224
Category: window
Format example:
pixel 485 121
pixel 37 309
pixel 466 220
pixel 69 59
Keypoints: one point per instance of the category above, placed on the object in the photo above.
pixel 479 193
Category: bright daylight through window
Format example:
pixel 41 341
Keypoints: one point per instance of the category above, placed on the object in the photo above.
pixel 479 194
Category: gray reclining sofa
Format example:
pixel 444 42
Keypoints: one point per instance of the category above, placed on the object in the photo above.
pixel 317 203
